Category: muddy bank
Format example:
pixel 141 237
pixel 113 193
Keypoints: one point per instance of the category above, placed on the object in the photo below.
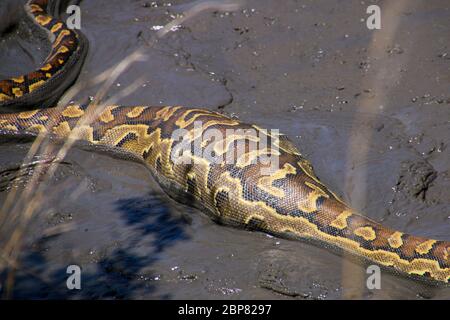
pixel 370 109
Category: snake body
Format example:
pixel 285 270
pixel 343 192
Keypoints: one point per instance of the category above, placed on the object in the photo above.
pixel 287 200
pixel 44 86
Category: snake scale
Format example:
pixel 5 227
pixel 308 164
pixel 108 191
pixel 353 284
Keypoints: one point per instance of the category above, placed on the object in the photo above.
pixel 287 201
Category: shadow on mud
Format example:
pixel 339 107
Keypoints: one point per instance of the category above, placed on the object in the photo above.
pixel 122 273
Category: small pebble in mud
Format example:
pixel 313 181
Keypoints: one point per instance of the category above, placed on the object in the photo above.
pixel 234 116
pixel 152 4
pixel 229 291
pixel 395 50
pixel 295 108
pixel 188 277
pixel 364 65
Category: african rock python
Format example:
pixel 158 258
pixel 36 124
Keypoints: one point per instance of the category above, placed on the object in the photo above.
pixel 288 202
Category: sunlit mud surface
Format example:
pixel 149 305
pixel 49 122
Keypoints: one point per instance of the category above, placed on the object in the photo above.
pixel 299 66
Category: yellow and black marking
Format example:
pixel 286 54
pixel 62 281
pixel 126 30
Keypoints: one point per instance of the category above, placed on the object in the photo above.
pixel 289 201
pixel 66 42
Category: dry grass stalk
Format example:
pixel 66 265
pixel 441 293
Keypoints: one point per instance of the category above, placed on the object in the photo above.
pixel 20 207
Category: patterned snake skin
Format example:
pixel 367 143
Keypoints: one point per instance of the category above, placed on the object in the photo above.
pixel 44 86
pixel 286 201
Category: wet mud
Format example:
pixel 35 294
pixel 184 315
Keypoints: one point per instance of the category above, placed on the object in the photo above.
pixel 370 110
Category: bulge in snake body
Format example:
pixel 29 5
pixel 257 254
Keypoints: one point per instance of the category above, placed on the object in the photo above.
pixel 288 200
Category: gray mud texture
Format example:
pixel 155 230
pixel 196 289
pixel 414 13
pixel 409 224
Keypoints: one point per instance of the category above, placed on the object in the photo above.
pixel 369 108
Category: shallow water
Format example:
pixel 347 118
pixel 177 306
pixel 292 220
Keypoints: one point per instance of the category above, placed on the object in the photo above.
pixel 304 67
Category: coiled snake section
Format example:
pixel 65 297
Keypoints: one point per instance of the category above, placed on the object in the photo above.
pixel 287 200
pixel 44 86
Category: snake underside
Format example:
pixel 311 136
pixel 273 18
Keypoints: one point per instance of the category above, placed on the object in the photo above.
pixel 286 200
